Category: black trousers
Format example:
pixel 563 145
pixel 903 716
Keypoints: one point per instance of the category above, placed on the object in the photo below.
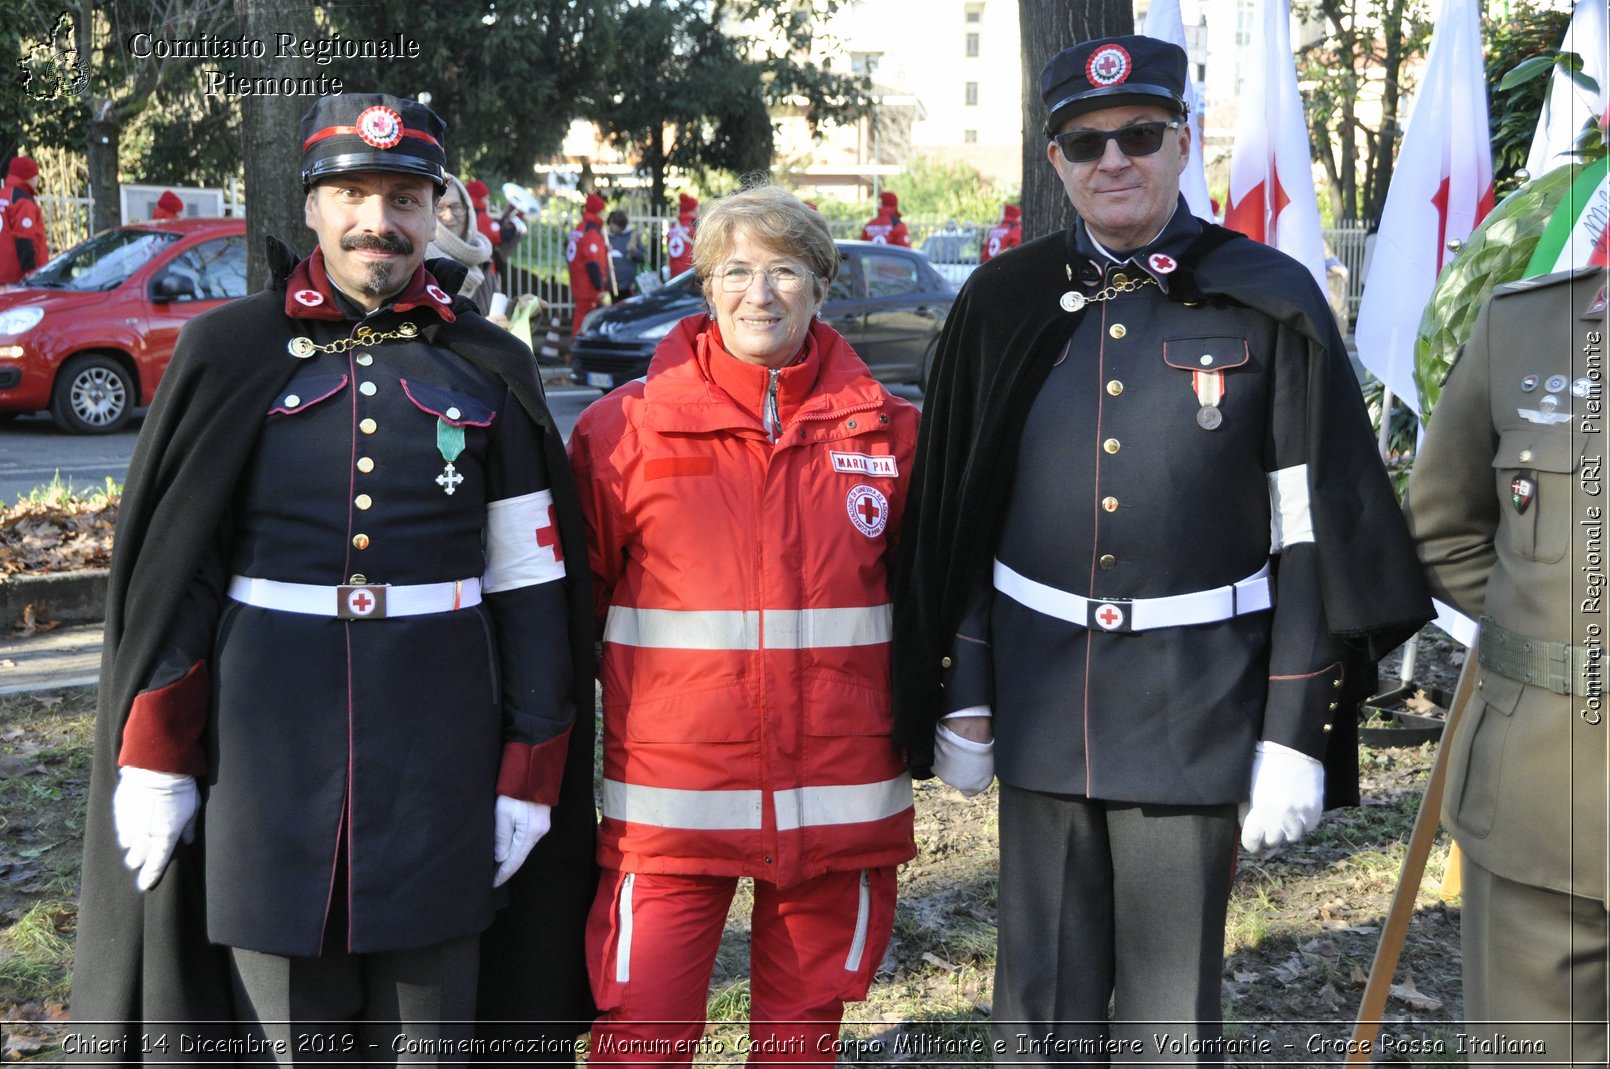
pixel 387 1008
pixel 1110 903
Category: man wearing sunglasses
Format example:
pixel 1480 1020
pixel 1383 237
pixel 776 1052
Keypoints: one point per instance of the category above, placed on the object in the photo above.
pixel 1148 552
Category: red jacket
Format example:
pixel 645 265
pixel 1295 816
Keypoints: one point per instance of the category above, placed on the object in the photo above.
pixel 743 591
pixel 886 229
pixel 587 253
pixel 22 234
pixel 679 245
pixel 1007 234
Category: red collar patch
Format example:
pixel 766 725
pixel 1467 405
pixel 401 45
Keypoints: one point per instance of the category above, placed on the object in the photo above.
pixel 311 295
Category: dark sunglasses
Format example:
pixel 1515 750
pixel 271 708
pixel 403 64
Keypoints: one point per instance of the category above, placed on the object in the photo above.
pixel 1141 139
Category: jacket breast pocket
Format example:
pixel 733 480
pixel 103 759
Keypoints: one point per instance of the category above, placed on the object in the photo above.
pixel 1221 352
pixel 453 407
pixel 306 393
pixel 1476 764
pixel 1534 469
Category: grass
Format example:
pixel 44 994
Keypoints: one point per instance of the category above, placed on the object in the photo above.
pixel 65 494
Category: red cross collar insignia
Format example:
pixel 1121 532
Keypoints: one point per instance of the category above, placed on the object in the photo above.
pixel 309 298
pixel 1108 617
pixel 1521 492
pixel 1162 263
pixel 868 509
pixel 438 293
pixel 380 126
pixel 1108 66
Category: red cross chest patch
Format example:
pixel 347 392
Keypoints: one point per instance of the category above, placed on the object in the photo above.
pixel 1108 66
pixel 868 509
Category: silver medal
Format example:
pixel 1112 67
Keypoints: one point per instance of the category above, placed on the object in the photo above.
pixel 1208 417
pixel 301 347
pixel 1072 302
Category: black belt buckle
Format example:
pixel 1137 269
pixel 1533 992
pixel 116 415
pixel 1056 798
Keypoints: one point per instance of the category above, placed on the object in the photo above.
pixel 361 601
pixel 1111 615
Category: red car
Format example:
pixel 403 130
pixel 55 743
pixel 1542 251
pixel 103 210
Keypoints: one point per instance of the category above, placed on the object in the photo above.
pixel 89 334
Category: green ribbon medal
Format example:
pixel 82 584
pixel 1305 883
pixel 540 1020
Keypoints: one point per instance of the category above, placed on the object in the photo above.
pixel 450 442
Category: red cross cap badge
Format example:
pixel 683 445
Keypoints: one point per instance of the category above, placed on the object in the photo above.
pixel 309 298
pixel 1109 617
pixel 1108 66
pixel 868 509
pixel 1162 263
pixel 380 126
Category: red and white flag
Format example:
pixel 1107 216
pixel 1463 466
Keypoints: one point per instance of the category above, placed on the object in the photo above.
pixel 1164 22
pixel 1271 195
pixel 1569 106
pixel 1441 188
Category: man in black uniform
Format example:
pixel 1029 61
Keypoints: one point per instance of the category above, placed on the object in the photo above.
pixel 1148 533
pixel 347 644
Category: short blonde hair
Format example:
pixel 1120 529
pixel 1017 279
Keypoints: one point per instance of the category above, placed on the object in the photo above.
pixel 775 218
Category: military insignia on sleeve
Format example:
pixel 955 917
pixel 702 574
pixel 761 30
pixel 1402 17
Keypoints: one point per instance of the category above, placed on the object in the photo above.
pixel 1521 492
pixel 380 126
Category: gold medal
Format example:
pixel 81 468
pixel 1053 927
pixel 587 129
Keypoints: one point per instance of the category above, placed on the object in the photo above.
pixel 301 347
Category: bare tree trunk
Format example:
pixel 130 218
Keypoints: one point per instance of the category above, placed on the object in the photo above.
pixel 1384 151
pixel 270 148
pixel 1046 28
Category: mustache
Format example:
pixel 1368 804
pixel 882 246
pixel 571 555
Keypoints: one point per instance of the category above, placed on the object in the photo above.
pixel 381 242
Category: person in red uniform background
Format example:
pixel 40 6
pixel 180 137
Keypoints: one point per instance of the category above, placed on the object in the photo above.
pixel 1006 234
pixel 168 206
pixel 487 225
pixel 22 238
pixel 679 237
pixel 587 253
pixel 731 751
pixel 886 227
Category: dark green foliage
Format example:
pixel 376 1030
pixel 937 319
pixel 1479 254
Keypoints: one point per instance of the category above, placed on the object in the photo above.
pixel 1527 38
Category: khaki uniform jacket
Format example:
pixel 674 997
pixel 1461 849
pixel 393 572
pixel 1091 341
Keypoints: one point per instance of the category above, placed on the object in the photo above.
pixel 1507 507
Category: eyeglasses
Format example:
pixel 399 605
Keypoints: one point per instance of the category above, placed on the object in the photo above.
pixel 737 278
pixel 1140 139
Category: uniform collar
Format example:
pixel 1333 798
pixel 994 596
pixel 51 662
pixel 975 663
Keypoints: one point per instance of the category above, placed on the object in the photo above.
pixel 747 383
pixel 309 294
pixel 1158 258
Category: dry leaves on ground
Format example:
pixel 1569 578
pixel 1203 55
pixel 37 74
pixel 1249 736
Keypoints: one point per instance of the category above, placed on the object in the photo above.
pixel 37 537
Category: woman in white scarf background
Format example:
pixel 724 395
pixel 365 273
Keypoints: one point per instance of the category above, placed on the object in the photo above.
pixel 458 239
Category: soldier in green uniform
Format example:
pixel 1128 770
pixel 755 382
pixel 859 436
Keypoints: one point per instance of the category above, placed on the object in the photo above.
pixel 1506 504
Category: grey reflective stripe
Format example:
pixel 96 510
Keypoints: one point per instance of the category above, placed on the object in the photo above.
pixel 854 803
pixel 667 807
pixel 799 807
pixel 863 918
pixel 623 945
pixel 724 629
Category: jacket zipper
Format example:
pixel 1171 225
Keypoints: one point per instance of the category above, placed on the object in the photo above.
pixel 623 941
pixel 862 920
pixel 769 414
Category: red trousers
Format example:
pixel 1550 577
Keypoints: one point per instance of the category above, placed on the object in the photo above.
pixel 585 302
pixel 652 941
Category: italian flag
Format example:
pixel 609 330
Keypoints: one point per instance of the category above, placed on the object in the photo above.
pixel 1576 236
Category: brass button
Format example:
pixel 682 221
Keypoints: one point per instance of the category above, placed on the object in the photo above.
pixel 1107 562
pixel 358 579
pixel 362 501
pixel 366 465
pixel 366 388
pixel 292 401
pixel 944 662
pixel 1327 727
pixel 365 359
pixel 1115 387
pixel 1333 706
pixel 1110 504
pixel 1337 683
pixel 1117 330
pixel 1120 279
pixel 360 541
pixel 368 426
pixel 1525 457
pixel 1110 445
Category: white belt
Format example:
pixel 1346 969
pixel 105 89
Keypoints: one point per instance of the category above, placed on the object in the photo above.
pixel 1250 595
pixel 362 601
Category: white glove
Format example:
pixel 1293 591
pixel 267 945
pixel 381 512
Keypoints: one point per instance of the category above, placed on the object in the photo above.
pixel 150 811
pixel 519 825
pixel 1288 794
pixel 967 765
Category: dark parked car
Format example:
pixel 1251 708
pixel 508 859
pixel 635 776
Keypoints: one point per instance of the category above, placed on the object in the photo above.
pixel 889 303
pixel 89 334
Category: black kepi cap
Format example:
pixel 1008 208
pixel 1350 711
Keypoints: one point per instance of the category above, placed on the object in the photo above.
pixel 372 132
pixel 1111 71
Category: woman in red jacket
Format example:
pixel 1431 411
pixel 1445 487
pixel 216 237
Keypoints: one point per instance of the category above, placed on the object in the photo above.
pixel 743 502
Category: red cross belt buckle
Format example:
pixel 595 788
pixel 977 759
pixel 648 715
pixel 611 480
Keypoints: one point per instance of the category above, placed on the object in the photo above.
pixel 1109 616
pixel 361 602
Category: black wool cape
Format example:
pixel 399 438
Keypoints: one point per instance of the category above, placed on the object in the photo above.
pixel 1004 333
pixel 145 974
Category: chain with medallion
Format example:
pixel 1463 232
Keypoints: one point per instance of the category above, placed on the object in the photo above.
pixel 303 347
pixel 1073 300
